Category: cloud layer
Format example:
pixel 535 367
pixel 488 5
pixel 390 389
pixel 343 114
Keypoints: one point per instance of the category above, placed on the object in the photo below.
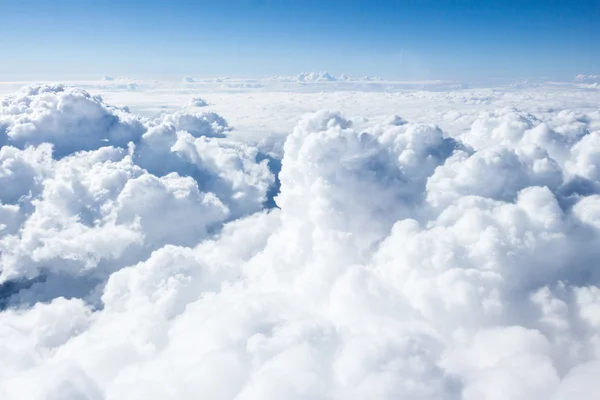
pixel 140 260
pixel 89 188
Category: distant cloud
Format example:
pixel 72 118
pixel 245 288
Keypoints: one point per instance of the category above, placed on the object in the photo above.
pixel 124 83
pixel 587 78
pixel 197 102
pixel 319 77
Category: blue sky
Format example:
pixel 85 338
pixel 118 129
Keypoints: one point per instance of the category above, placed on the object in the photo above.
pixel 412 39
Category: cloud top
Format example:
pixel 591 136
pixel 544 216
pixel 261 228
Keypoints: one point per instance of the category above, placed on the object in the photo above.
pixel 139 258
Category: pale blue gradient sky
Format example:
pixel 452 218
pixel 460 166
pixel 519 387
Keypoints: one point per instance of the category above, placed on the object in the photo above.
pixel 412 39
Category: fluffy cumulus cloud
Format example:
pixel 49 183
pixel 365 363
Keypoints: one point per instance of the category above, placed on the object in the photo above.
pixel 141 259
pixel 587 78
pixel 70 119
pixel 198 102
pixel 88 188
pixel 321 77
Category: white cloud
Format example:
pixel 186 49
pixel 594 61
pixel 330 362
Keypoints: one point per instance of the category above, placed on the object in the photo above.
pixel 198 102
pixel 320 77
pixel 69 118
pixel 587 78
pixel 405 260
pixel 96 211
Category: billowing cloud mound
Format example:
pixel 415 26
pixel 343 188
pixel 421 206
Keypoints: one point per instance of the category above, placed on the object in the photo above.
pixel 316 77
pixel 88 188
pixel 321 77
pixel 588 81
pixel 400 262
pixel 587 78
pixel 198 102
pixel 70 119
